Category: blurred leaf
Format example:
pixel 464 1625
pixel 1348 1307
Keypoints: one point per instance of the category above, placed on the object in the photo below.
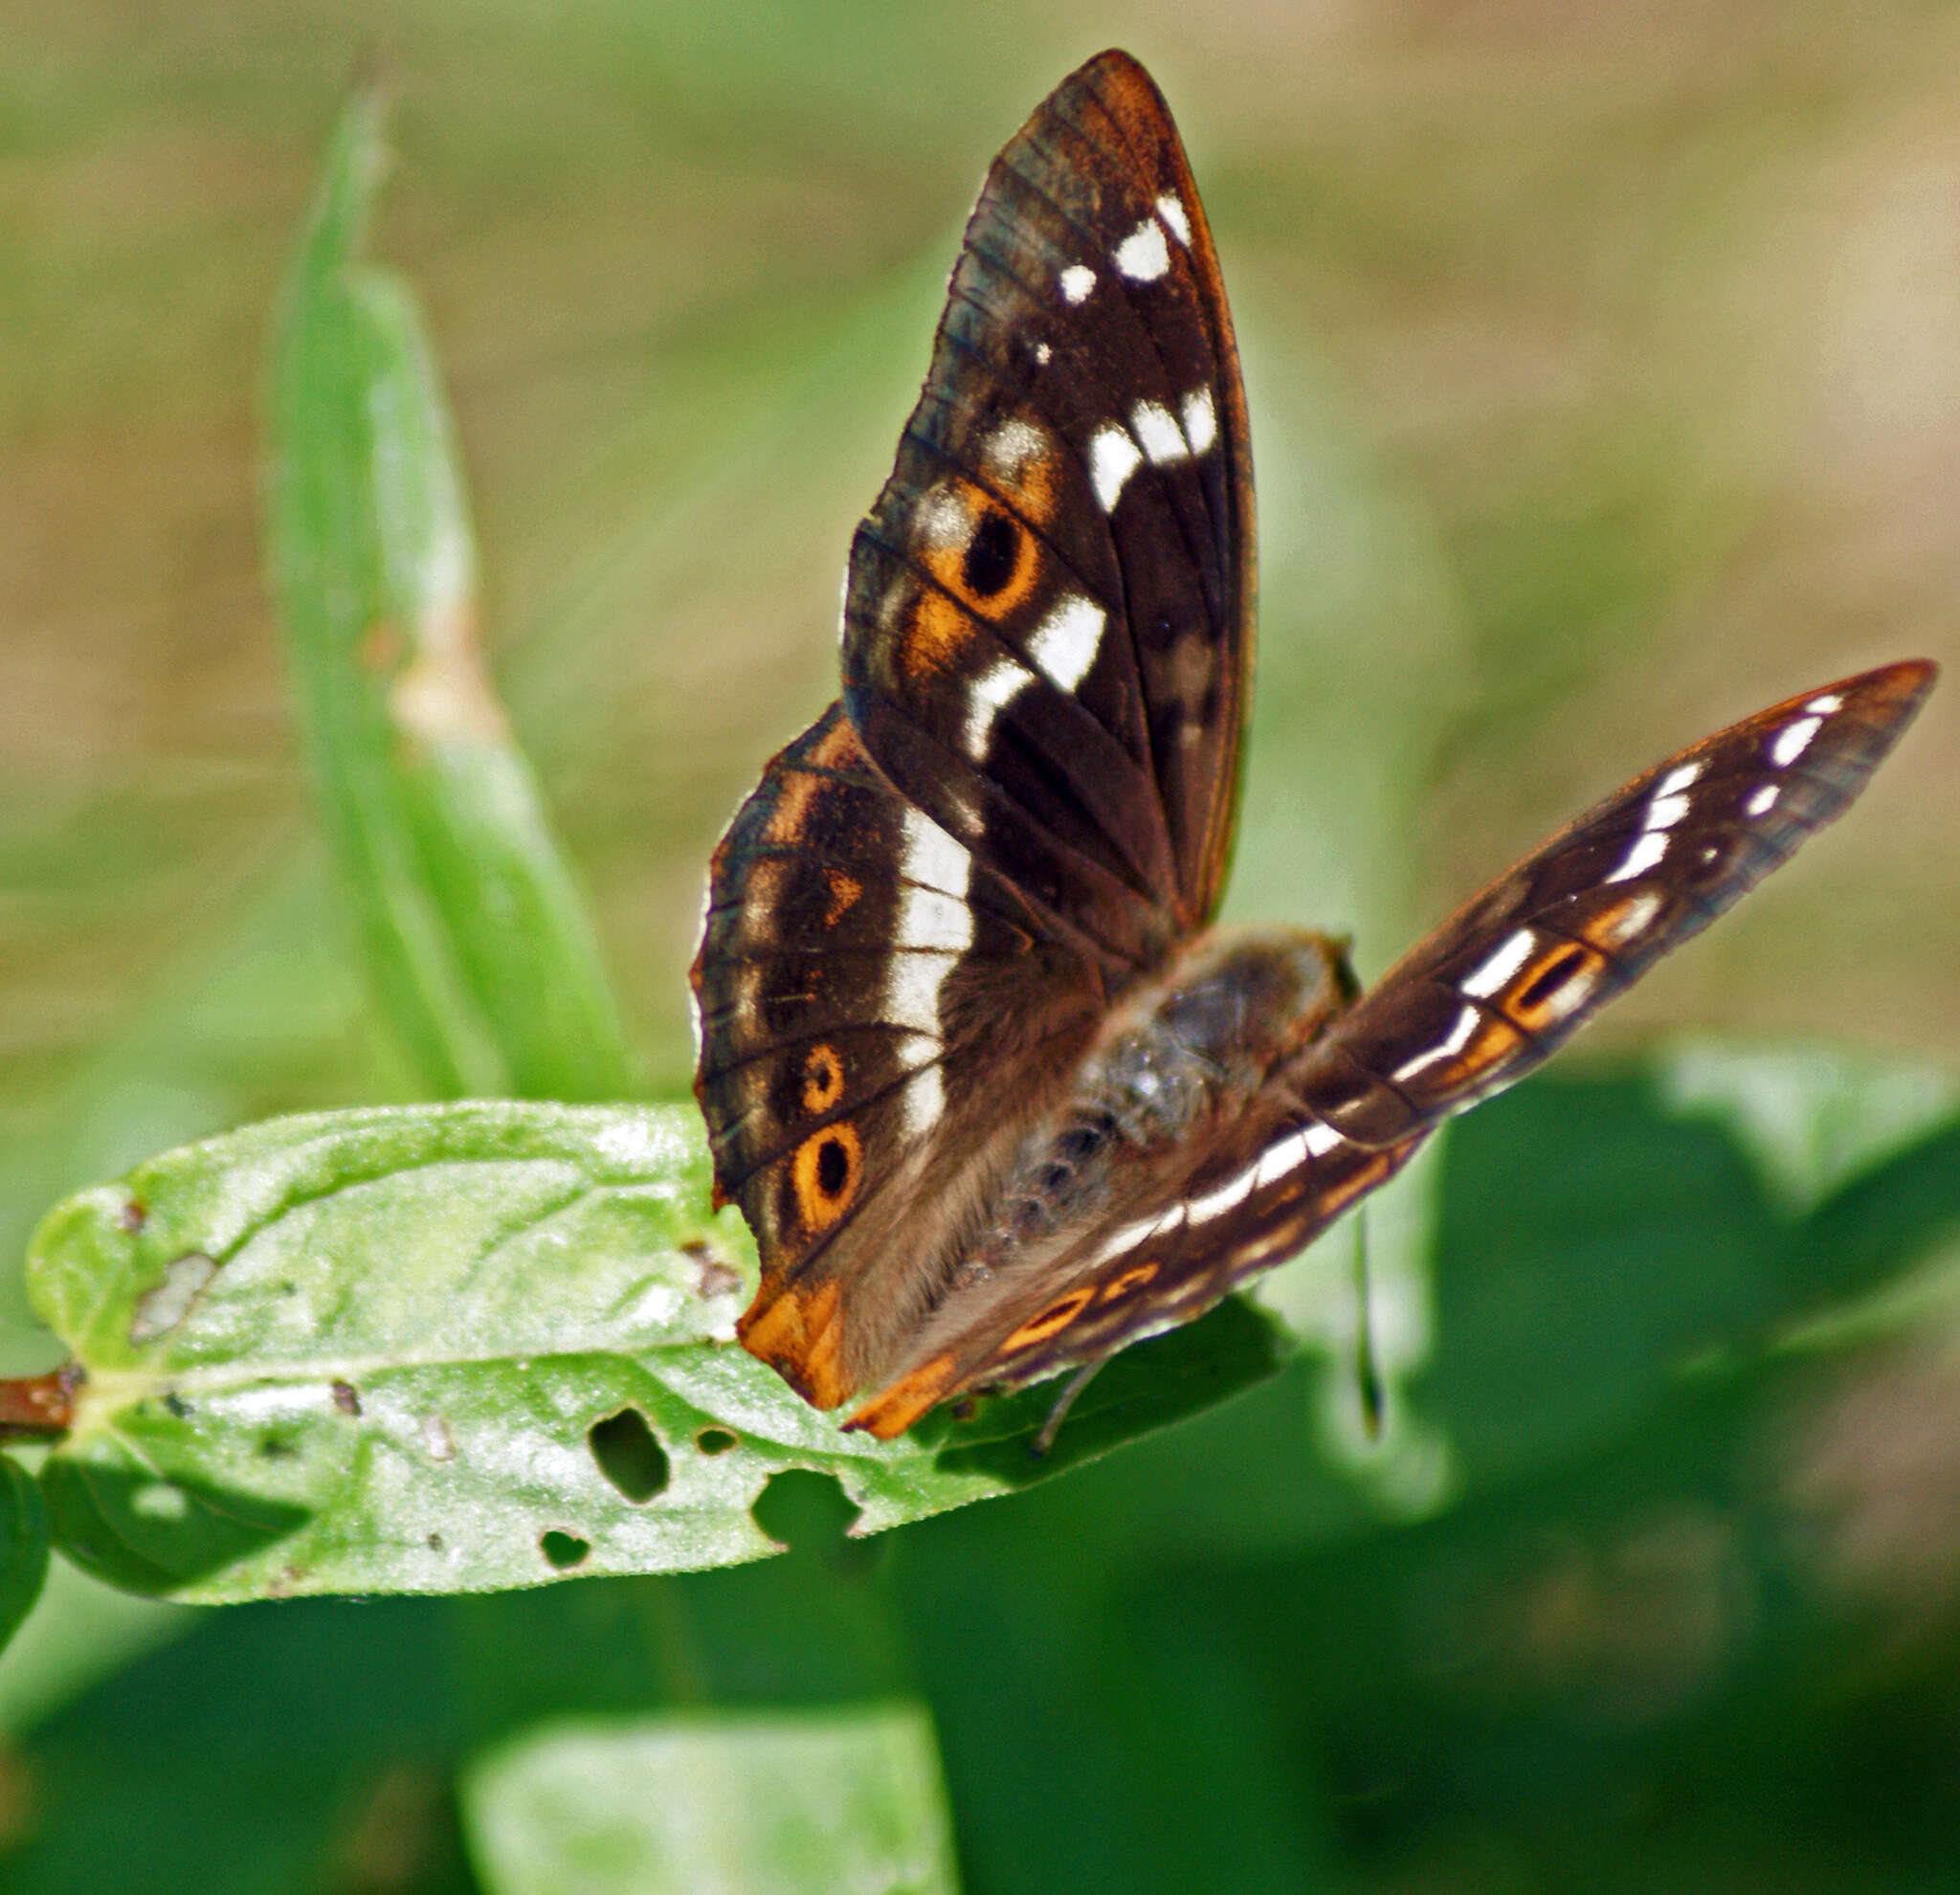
pixel 450 1348
pixel 23 1545
pixel 1594 1241
pixel 476 935
pixel 79 1632
pixel 755 1803
pixel 1810 1118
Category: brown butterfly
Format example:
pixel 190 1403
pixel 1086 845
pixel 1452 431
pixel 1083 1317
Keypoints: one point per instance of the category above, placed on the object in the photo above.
pixel 992 1098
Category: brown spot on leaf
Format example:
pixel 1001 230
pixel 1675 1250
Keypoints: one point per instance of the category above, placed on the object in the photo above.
pixel 713 1277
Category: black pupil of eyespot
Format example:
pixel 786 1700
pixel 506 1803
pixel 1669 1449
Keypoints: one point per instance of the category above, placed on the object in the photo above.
pixel 821 1076
pixel 1550 981
pixel 833 1167
pixel 990 555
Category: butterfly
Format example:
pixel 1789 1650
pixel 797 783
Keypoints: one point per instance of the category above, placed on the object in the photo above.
pixel 993 1096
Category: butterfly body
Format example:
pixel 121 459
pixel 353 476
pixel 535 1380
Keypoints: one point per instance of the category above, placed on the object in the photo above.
pixel 993 1101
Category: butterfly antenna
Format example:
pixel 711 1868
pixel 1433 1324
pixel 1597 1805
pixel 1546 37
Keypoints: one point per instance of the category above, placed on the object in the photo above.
pixel 1368 1367
pixel 1058 1414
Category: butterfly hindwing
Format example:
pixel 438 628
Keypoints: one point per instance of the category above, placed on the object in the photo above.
pixel 853 957
pixel 1046 627
pixel 1248 1202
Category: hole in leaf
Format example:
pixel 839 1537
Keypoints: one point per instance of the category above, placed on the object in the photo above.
pixel 628 1456
pixel 811 1514
pixel 564 1550
pixel 715 1441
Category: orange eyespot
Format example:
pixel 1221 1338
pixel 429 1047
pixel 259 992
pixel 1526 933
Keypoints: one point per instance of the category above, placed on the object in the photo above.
pixel 823 1078
pixel 826 1172
pixel 1134 1278
pixel 1051 1320
pixel 977 550
pixel 1557 987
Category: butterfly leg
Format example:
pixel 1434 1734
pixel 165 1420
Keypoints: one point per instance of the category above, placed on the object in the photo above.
pixel 1058 1414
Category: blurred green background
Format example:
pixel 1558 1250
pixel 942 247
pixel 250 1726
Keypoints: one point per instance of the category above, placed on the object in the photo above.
pixel 1605 372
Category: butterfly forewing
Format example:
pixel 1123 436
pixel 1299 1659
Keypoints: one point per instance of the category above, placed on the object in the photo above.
pixel 1046 623
pixel 1510 978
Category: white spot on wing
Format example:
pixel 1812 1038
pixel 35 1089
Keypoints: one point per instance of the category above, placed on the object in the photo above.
pixel 1043 355
pixel 1279 1160
pixel 1233 1192
pixel 932 858
pixel 1664 812
pixel 1573 994
pixel 1460 1036
pixel 1113 458
pixel 1171 208
pixel 1648 849
pixel 924 1099
pixel 1320 1140
pixel 1065 643
pixel 1200 421
pixel 1497 971
pixel 1763 801
pixel 1143 255
pixel 935 923
pixel 943 519
pixel 1827 703
pixel 1132 1236
pixel 911 992
pixel 1634 918
pixel 998 685
pixel 1077 282
pixel 1794 740
pixel 935 926
pixel 1677 780
pixel 1012 445
pixel 1156 427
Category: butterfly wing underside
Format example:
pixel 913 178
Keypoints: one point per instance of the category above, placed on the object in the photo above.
pixel 1022 804
pixel 1475 1005
pixel 1047 622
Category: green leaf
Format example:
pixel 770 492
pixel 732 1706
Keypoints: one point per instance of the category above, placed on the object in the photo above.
pixel 23 1545
pixel 1810 1118
pixel 444 1349
pixel 750 1803
pixel 476 935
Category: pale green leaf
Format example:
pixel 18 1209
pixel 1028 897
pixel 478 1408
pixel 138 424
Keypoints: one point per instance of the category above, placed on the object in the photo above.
pixel 444 1349
pixel 719 1803
pixel 475 932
